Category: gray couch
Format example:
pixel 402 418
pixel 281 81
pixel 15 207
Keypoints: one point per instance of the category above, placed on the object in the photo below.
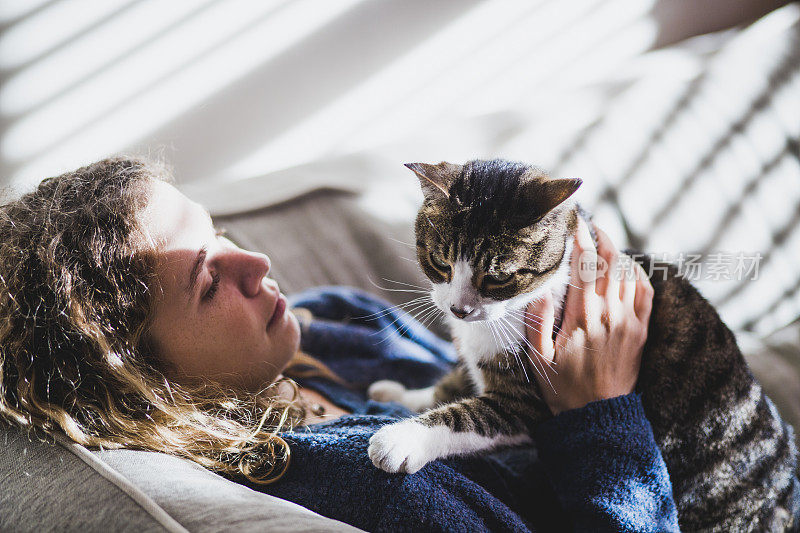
pixel 48 486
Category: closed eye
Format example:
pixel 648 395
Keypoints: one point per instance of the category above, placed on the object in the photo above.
pixel 215 277
pixel 212 289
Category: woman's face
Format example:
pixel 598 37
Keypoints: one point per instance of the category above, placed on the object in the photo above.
pixel 216 313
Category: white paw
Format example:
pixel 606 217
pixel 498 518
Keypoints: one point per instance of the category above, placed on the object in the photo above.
pixel 419 399
pixel 386 390
pixel 401 447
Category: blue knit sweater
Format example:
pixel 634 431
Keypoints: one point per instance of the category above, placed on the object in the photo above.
pixel 591 469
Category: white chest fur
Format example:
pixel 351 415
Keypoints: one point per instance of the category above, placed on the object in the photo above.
pixel 481 340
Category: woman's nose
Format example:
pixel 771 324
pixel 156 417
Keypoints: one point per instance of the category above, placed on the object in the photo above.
pixel 250 268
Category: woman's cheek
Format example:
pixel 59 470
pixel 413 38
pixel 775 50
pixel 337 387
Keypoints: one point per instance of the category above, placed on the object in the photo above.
pixel 243 325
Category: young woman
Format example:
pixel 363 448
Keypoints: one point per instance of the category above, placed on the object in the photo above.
pixel 127 320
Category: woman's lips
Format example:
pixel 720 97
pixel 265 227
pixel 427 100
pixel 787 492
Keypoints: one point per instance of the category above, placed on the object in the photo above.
pixel 277 313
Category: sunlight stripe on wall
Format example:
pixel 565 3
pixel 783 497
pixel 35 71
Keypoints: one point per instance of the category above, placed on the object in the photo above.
pixel 50 27
pixel 96 49
pixel 181 86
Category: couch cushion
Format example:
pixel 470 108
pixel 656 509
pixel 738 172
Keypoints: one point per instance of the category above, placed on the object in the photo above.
pixel 205 502
pixel 48 486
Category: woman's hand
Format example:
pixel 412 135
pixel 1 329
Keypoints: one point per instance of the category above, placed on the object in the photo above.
pixel 598 351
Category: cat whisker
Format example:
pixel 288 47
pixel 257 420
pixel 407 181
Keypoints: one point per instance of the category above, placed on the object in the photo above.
pixel 434 314
pixel 539 370
pixel 401 330
pixel 539 355
pixel 402 242
pixel 413 290
pixel 533 318
pixel 494 336
pixel 543 364
pixel 415 307
pixel 507 333
pixel 547 365
pixel 425 314
pixel 530 321
pixel 422 308
pixel 506 340
pixel 524 339
pixel 431 317
pixel 526 318
pixel 406 284
pixel 558 330
pixel 535 325
pixel 521 363
pixel 419 309
pixel 507 349
pixel 397 307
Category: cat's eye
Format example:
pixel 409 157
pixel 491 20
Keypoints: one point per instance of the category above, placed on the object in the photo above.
pixel 499 278
pixel 439 263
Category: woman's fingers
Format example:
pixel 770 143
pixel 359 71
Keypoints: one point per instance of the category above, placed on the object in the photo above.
pixel 643 301
pixel 583 278
pixel 584 257
pixel 541 335
pixel 627 285
pixel 608 284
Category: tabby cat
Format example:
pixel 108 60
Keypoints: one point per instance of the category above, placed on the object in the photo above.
pixel 494 235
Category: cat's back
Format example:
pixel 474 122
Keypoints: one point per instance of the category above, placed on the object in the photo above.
pixel 732 460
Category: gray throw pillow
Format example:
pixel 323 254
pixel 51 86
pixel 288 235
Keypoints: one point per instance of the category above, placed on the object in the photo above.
pixel 62 486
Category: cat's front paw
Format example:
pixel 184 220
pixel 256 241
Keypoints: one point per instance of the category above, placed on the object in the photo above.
pixel 401 447
pixel 386 390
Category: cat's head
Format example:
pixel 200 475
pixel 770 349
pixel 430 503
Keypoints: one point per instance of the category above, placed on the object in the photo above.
pixel 491 234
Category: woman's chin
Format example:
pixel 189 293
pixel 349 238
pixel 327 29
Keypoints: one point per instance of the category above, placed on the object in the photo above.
pixel 288 342
pixel 293 327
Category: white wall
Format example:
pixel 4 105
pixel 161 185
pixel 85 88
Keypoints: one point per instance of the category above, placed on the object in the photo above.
pixel 232 88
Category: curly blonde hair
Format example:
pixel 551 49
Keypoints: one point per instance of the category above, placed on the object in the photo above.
pixel 75 306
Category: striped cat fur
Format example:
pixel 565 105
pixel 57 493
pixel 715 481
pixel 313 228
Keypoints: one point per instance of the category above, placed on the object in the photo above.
pixel 731 459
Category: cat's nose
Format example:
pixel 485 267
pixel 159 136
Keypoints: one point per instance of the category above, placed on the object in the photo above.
pixel 462 312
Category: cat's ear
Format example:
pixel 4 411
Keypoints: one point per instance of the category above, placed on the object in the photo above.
pixel 554 192
pixel 435 179
pixel 537 198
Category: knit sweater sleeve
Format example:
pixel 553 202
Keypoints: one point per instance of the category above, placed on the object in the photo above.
pixel 606 469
